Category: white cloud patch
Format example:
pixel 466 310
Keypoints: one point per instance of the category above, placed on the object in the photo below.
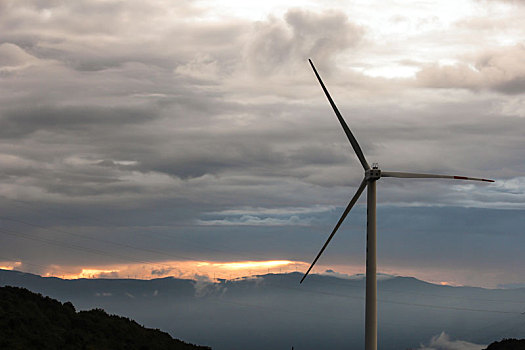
pixel 250 220
pixel 13 58
pixel 443 342
pixel 503 194
pixel 275 211
pixel 513 106
pixel 202 66
pixel 204 286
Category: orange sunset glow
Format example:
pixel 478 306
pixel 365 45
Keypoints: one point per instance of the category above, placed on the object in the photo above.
pixel 214 270
pixel 181 269
pixel 9 265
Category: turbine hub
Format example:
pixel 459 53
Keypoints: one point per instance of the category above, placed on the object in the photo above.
pixel 373 174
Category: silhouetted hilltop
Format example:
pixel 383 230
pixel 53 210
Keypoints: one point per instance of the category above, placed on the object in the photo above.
pixel 508 344
pixel 31 321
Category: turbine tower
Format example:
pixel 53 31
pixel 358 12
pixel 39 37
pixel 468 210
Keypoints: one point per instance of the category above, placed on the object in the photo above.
pixel 371 176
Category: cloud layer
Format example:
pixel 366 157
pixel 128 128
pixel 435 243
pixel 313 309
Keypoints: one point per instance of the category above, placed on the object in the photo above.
pixel 177 127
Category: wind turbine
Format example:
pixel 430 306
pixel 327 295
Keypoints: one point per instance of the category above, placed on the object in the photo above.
pixel 371 176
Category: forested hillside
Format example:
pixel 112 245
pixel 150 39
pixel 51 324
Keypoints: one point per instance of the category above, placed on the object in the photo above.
pixel 508 344
pixel 31 321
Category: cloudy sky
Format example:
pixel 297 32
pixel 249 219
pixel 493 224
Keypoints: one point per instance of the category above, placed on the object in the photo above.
pixel 191 137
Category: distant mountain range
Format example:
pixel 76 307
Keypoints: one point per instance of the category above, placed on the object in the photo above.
pixel 274 312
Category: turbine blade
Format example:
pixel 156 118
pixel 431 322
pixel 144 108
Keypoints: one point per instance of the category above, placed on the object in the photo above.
pixel 351 138
pixel 345 213
pixel 429 176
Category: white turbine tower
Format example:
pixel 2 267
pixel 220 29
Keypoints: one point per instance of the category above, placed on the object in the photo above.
pixel 371 176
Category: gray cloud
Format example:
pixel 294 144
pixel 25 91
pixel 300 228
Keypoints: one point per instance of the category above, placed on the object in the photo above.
pixel 280 45
pixel 78 41
pixel 498 70
pixel 161 272
pixel 82 120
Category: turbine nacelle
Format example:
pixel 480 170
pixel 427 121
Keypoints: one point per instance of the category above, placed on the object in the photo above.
pixel 373 174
